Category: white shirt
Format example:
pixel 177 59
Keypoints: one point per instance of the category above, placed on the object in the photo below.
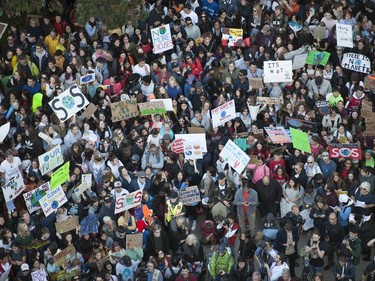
pixel 277 270
pixel 193 15
pixel 11 170
pixel 141 70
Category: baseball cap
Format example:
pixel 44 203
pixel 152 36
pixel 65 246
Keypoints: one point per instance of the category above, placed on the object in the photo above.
pixel 99 46
pixel 221 176
pixel 173 194
pixel 135 158
pixel 141 174
pixel 174 56
pixel 107 199
pixel 117 184
pixel 166 137
pixel 25 267
pixel 222 249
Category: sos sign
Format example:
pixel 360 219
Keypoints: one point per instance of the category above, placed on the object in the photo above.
pixel 126 202
pixel 352 151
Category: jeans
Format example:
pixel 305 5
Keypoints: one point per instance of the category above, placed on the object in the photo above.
pixel 315 269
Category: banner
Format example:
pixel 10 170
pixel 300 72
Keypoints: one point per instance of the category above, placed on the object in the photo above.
pixel 196 139
pixel 267 100
pixel 13 188
pixel 89 224
pixel 340 150
pixel 68 103
pixel 32 197
pixel 192 150
pixel 235 157
pixel 299 61
pixel 149 108
pixel 300 140
pixel 317 58
pixel 124 110
pixel 62 258
pixel 126 202
pixel 134 240
pixel 50 160
pixel 344 35
pixel 161 39
pixel 189 195
pixel 223 113
pixel 278 71
pixel 53 200
pixel 278 135
pixel 60 175
pixel 232 37
pixel 67 225
pixel 302 124
pixel 87 178
pixel 356 62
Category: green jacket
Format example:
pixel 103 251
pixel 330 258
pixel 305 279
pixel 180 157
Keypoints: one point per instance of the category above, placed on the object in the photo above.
pixel 219 263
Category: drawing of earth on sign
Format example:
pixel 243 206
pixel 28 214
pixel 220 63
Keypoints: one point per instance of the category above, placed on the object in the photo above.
pixel 318 57
pixel 55 204
pixel 223 114
pixel 87 78
pixel 68 102
pixel 295 123
pixel 357 62
pixel 162 30
pixel 345 152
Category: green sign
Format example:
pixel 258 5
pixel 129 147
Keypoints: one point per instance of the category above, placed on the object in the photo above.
pixel 300 140
pixel 60 175
pixel 241 143
pixel 316 58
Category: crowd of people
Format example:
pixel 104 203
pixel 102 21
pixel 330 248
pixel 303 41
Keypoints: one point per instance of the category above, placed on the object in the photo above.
pixel 249 223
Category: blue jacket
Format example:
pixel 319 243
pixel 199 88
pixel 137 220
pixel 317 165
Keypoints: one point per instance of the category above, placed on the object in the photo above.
pixel 211 9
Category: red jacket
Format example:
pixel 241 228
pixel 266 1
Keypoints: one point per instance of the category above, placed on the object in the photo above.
pixel 191 277
pixel 196 67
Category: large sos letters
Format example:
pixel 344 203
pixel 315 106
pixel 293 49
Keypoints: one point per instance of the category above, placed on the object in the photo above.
pixel 128 201
pixel 345 150
pixel 68 103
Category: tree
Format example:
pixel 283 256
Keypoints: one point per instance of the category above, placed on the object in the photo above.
pixel 112 13
pixel 31 6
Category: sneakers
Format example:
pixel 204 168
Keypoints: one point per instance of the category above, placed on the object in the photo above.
pixel 194 225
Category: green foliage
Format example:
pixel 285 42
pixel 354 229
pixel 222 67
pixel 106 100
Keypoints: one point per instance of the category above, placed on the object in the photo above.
pixel 24 6
pixel 113 13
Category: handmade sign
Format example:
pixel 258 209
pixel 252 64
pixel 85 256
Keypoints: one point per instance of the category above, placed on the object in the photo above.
pixel 161 39
pixel 68 103
pixel 62 258
pixel 232 37
pixel 340 150
pixel 81 189
pixel 167 103
pixel 192 150
pixel 253 110
pixel 13 188
pixel 37 244
pixel 134 240
pixel 100 263
pixel 3 27
pixel 356 62
pixel 67 274
pixel 299 61
pixel 300 140
pixel 4 130
pixel 126 202
pixel 189 195
pixel 370 82
pixel 300 51
pixel 50 160
pixel 60 175
pixel 223 113
pixel 241 143
pixel 323 107
pixel 53 200
pixel 256 83
pixel 235 157
pixel 89 111
pixel 317 58
pixel 5 275
pixel 32 197
pixel 89 224
pixel 149 108
pixel 196 130
pixel 267 100
pixel 90 136
pixel 39 275
pixel 199 139
pixel 177 146
pixel 278 71
pixel 278 135
pixel 344 35
pixel 320 32
pixel 45 137
pixel 124 110
pixel 301 124
pixel 87 78
pixel 295 26
pixel 67 225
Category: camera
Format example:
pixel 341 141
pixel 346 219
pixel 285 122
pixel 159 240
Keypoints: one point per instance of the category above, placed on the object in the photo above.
pixel 225 222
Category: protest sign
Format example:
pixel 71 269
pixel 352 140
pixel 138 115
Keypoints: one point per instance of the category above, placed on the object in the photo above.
pixel 241 143
pixel 39 275
pixel 235 157
pixel 356 62
pixel 267 100
pixel 278 135
pixel 134 240
pixel 60 175
pixel 295 26
pixel 126 202
pixel 370 82
pixel 45 137
pixel 300 140
pixel 301 124
pixel 81 189
pixel 278 71
pixel 62 258
pixel 89 111
pixel 223 113
pixel 232 37
pixel 4 130
pixel 149 108
pixel 253 110
pixel 320 32
pixel 90 136
pixel 87 78
pixel 199 139
pixel 299 61
pixel 3 27
pixel 256 83
pixel 161 39
pixel 323 107
pixel 167 103
pixel 196 130
pixel 13 188
pixel 177 145
pixel 300 51
pixel 53 200
pixel 68 103
pixel 5 275
pixel 100 263
pixel 340 150
pixel 344 35
pixel 67 274
pixel 192 150
pixel 67 225
pixel 50 160
pixel 189 195
pixel 124 110
pixel 317 58
pixel 89 224
pixel 32 197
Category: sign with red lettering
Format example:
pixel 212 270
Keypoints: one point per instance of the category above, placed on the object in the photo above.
pixel 126 202
pixel 340 150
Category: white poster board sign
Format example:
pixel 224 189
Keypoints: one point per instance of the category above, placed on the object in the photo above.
pixel 53 200
pixel 235 157
pixel 13 188
pixel 128 201
pixel 344 35
pixel 161 39
pixel 192 150
pixel 32 197
pixel 223 113
pixel 356 62
pixel 299 61
pixel 278 71
pixel 199 139
pixel 50 160
pixel 4 130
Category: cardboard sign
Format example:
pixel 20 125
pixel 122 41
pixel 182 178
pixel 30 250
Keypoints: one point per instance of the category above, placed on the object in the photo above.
pixel 126 202
pixel 87 78
pixel 39 275
pixel 89 111
pixel 13 188
pixel 4 130
pixel 50 160
pixel 161 39
pixel 196 130
pixel 235 157
pixel 278 71
pixel 149 108
pixel 32 197
pixel 89 224
pixel 199 139
pixel 223 113
pixel 232 37
pixel 53 200
pixel 81 188
pixel 124 110
pixel 267 100
pixel 167 103
pixel 67 274
pixel 344 35
pixel 60 175
pixel 62 258
pixel 340 150
pixel 67 225
pixel 370 82
pixel 320 32
pixel 299 61
pixel 192 150
pixel 356 62
pixel 68 103
pixel 300 140
pixel 278 135
pixel 134 240
pixel 317 58
pixel 256 83
pixel 189 195
pixel 301 124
